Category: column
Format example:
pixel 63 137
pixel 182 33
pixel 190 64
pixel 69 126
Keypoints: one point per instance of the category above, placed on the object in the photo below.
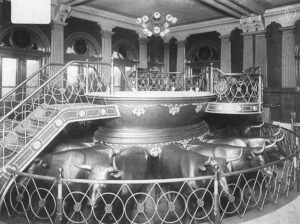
pixel 261 53
pixel 225 53
pixel 167 57
pixel 180 55
pixel 288 58
pixel 2 13
pixel 59 15
pixel 143 48
pixel 57 42
pixel 106 45
pixel 248 50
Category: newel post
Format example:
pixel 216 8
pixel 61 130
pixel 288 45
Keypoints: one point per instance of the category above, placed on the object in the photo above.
pixel 59 208
pixel 216 195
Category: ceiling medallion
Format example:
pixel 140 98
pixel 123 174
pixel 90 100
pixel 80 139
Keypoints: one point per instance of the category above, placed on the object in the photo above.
pixel 156 23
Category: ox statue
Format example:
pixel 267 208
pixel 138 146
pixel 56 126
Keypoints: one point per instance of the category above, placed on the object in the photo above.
pixel 248 157
pixel 175 162
pixel 48 164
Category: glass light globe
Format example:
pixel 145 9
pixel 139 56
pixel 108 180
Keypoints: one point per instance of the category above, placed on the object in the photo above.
pixel 156 15
pixel 174 20
pixel 156 29
pixel 149 33
pixel 138 20
pixel 169 17
pixel 145 18
pixel 167 31
pixel 166 25
pixel 145 31
pixel 162 34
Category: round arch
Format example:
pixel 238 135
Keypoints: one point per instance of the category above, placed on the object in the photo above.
pixel 93 47
pixel 131 51
pixel 37 34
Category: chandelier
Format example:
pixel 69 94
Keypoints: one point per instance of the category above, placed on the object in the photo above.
pixel 155 23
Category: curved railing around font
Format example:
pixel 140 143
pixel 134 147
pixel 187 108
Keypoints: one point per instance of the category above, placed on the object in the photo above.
pixel 55 199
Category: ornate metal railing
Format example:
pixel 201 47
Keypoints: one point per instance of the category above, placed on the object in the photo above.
pixel 237 87
pixel 23 117
pixel 237 93
pixel 55 199
pixel 168 81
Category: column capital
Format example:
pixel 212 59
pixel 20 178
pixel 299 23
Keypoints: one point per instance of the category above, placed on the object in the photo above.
pixel 225 36
pixel 181 36
pixel 141 34
pixel 287 29
pixel 181 43
pixel 143 40
pixel 61 13
pixel 58 25
pixel 106 33
pixel 260 32
pixel 105 25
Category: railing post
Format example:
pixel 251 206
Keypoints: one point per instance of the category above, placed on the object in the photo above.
pixel 216 195
pixel 136 80
pixel 210 86
pixel 184 80
pixel 59 208
pixel 297 171
pixel 112 76
pixel 260 92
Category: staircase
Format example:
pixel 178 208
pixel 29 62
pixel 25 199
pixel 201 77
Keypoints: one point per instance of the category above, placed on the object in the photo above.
pixel 33 123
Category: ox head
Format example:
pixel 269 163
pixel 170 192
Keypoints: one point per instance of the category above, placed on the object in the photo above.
pixel 100 172
pixel 249 158
pixel 220 165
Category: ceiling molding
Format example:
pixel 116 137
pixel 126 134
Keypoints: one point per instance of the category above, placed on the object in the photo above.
pixel 234 6
pixel 222 8
pixel 282 16
pixel 250 5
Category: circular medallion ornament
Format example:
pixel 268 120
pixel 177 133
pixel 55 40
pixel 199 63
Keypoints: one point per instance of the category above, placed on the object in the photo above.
pixel 81 113
pixel 221 87
pixel 58 122
pixel 103 112
pixel 37 144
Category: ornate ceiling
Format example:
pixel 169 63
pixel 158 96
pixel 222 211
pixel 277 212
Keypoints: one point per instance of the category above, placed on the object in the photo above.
pixel 187 11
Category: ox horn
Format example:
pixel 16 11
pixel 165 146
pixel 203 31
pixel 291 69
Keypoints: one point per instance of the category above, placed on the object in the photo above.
pixel 207 162
pixel 281 138
pixel 278 132
pixel 271 145
pixel 236 158
pixel 258 151
pixel 114 163
pixel 257 126
pixel 82 166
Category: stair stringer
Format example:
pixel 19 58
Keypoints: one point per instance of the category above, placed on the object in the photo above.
pixel 36 145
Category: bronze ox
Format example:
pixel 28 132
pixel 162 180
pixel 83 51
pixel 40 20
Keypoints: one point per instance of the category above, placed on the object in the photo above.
pixel 175 162
pixel 48 164
pixel 248 142
pixel 129 164
pixel 271 150
pixel 246 157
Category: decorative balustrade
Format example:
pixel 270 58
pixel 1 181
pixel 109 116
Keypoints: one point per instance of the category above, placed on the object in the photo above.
pixel 55 199
pixel 236 92
pixel 168 81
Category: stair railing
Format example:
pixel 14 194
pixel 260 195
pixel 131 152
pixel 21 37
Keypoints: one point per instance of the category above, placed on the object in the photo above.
pixel 36 73
pixel 61 90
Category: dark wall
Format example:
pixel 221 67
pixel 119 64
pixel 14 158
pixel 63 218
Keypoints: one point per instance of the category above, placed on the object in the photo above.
pixel 79 25
pixel 274 52
pixel 130 35
pixel 237 44
pixel 155 49
pixel 173 55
